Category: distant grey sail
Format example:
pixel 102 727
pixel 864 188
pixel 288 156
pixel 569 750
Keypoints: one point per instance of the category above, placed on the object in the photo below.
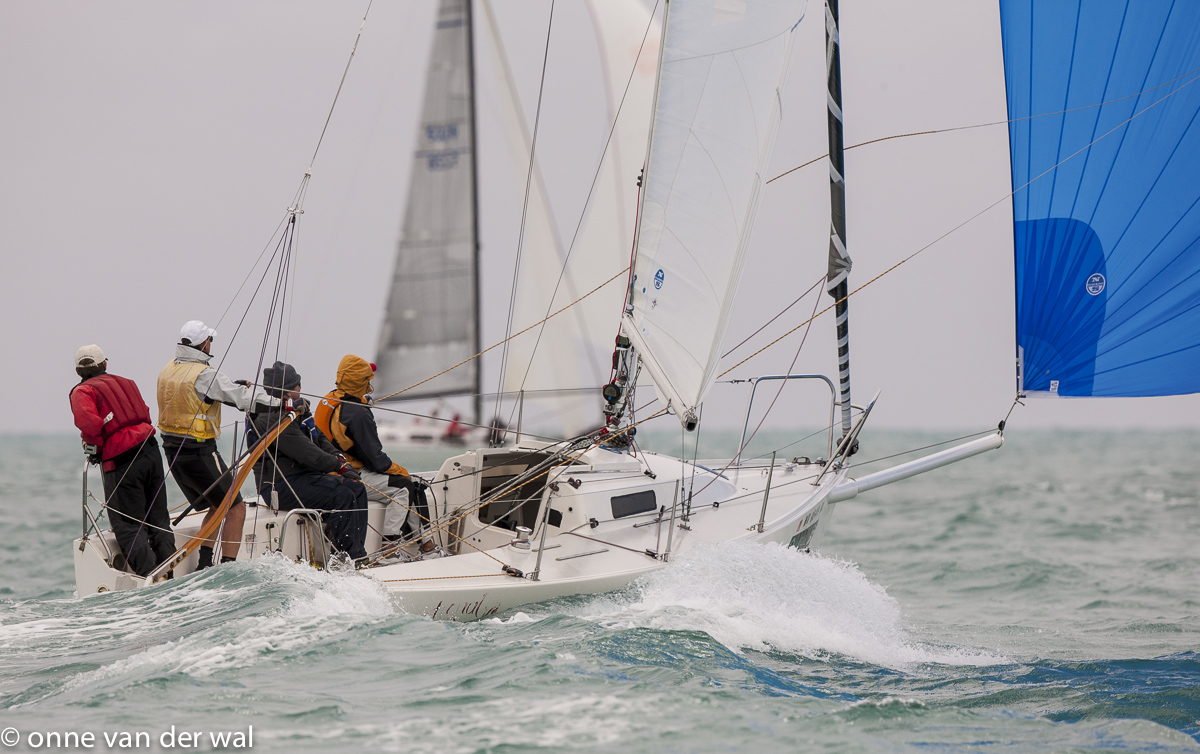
pixel 432 321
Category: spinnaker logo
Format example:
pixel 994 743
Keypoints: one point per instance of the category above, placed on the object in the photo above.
pixel 658 279
pixel 1095 284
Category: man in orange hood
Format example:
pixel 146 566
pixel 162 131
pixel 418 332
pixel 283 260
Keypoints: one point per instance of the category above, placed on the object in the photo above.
pixel 345 418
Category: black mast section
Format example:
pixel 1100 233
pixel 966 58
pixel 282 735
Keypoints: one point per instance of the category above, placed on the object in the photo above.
pixel 839 258
pixel 478 399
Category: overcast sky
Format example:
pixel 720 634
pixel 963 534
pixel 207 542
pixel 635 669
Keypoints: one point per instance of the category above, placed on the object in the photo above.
pixel 149 150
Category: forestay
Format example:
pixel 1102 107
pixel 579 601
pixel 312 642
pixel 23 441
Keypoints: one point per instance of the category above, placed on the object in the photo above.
pixel 716 114
pixel 430 323
pixel 1107 260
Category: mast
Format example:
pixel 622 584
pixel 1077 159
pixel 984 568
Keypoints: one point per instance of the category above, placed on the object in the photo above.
pixel 477 401
pixel 839 258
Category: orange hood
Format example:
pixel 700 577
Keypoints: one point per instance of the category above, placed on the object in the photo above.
pixel 354 375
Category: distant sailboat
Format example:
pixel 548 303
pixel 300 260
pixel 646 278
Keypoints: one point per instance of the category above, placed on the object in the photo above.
pixel 431 319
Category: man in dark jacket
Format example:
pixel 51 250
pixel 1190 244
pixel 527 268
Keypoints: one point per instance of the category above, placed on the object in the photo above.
pixel 300 468
pixel 114 419
pixel 346 421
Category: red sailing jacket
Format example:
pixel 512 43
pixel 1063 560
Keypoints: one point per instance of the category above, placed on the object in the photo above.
pixel 111 414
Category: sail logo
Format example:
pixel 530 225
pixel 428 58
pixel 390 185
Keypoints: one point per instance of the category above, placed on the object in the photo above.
pixel 659 277
pixel 441 159
pixel 1095 284
pixel 441 131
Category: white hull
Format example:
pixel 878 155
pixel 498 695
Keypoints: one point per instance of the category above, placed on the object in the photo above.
pixel 599 520
pixel 614 552
pixel 579 557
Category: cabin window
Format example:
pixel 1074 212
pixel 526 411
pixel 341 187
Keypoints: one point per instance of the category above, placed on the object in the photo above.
pixel 633 504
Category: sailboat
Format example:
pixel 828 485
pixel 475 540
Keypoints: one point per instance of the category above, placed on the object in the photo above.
pixel 432 316
pixel 1104 155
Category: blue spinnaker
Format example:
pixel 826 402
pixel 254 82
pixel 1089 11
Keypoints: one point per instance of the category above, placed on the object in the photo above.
pixel 1104 104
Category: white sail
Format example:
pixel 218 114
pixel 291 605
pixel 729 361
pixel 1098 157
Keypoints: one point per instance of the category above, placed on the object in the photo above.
pixel 540 257
pixel 572 350
pixel 716 115
pixel 430 322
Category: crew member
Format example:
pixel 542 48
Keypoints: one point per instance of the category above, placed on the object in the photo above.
pixel 346 420
pixel 114 421
pixel 190 394
pixel 299 467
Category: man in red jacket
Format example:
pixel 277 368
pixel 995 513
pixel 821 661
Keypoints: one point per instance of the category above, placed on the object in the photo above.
pixel 114 419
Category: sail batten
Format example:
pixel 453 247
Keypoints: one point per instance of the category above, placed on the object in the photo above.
pixel 717 111
pixel 1106 220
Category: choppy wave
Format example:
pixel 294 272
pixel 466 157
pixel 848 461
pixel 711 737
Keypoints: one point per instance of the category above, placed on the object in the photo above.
pixel 226 618
pixel 766 597
pixel 1039 599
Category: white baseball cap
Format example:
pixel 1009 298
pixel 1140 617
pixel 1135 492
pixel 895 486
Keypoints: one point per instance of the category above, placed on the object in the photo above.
pixel 88 356
pixel 196 332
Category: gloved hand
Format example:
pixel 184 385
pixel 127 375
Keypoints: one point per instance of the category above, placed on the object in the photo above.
pixel 243 383
pixel 348 472
pixel 398 481
pixel 310 426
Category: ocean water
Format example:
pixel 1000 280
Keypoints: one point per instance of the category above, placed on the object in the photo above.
pixel 1041 598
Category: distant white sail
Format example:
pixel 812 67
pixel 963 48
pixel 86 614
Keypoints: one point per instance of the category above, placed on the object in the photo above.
pixel 572 350
pixel 723 66
pixel 430 322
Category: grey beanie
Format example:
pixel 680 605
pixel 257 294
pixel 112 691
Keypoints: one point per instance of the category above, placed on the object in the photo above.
pixel 280 377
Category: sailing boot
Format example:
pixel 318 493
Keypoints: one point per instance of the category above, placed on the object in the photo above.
pixel 204 558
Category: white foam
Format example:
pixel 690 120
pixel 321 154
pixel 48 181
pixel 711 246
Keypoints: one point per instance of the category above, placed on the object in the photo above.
pixel 761 597
pixel 516 618
pixel 318 605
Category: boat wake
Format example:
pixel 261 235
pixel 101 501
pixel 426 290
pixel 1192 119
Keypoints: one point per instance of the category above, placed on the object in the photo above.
pixel 771 598
pixel 229 617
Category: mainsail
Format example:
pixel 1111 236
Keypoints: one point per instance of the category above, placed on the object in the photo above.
pixel 431 321
pixel 716 114
pixel 1103 101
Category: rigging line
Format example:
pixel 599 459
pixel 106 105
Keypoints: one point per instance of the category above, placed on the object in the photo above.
pixel 777 316
pixel 496 345
pixel 610 544
pixel 782 384
pixel 250 273
pixel 547 438
pixel 969 220
pixel 340 83
pixel 993 123
pixel 809 436
pixel 512 296
pixel 179 450
pixel 695 454
pixel 591 189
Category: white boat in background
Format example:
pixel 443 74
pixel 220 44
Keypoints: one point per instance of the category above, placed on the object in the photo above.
pixel 1101 310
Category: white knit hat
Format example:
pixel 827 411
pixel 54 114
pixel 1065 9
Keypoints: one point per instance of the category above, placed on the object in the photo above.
pixel 89 356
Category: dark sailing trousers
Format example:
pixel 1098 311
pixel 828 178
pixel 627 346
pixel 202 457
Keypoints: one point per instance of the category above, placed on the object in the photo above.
pixel 136 498
pixel 345 502
pixel 195 466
